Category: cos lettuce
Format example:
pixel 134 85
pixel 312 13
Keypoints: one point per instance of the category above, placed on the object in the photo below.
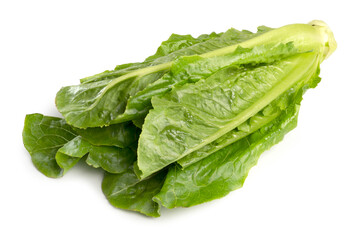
pixel 186 125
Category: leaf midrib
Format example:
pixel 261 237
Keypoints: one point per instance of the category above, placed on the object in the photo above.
pixel 291 78
pixel 260 104
pixel 267 37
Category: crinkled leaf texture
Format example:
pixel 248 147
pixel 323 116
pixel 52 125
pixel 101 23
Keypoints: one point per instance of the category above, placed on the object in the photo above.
pixel 224 171
pixel 194 115
pixel 176 45
pixel 42 137
pixel 227 166
pixel 260 119
pixel 255 122
pixel 101 100
pixel 190 69
pixel 206 108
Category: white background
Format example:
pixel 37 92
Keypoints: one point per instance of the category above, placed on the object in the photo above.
pixel 306 187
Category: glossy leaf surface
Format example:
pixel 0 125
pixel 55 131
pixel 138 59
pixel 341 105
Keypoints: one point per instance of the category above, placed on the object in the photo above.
pixel 42 137
pixel 103 101
pixel 224 171
pixel 260 119
pixel 194 115
pixel 186 125
pixel 111 159
pixel 190 69
pixel 173 45
pixel 119 135
pixel 126 191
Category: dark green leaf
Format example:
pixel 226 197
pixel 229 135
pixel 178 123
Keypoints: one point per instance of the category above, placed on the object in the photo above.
pixel 218 101
pixel 126 191
pixel 120 135
pixel 111 159
pixel 42 137
pixel 138 122
pixel 65 161
pixel 224 171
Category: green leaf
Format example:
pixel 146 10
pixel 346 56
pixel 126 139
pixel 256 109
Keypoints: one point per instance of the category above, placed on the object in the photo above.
pixel 266 115
pixel 111 159
pixel 206 108
pixel 224 171
pixel 42 137
pixel 126 191
pixel 119 135
pixel 257 121
pixel 194 115
pixel 190 69
pixel 173 44
pixel 66 162
pixel 177 42
pixel 138 122
pixel 102 102
pixel 119 71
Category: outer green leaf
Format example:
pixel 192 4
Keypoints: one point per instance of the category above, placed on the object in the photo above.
pixel 126 191
pixel 173 44
pixel 192 116
pixel 102 102
pixel 120 135
pixel 178 42
pixel 266 115
pixel 42 137
pixel 225 170
pixel 97 103
pixel 190 69
pixel 257 121
pixel 65 161
pixel 119 71
pixel 111 159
